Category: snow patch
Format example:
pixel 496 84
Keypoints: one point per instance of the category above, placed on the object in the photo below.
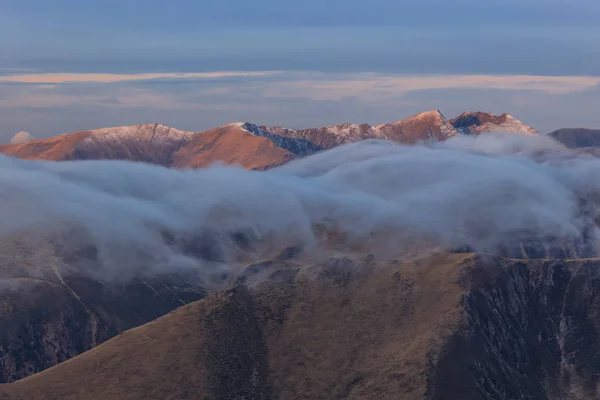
pixel 145 132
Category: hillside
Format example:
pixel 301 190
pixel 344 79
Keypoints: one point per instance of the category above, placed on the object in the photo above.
pixel 55 304
pixel 443 326
pixel 430 125
pixel 230 144
pixel 577 137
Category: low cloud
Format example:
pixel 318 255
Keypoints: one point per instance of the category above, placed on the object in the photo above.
pixel 21 137
pixel 114 219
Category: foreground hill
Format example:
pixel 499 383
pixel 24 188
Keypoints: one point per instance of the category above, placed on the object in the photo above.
pixel 444 326
pixel 53 307
pixel 577 137
pixel 230 144
pixel 429 125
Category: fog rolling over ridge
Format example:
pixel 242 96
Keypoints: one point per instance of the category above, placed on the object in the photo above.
pixel 515 195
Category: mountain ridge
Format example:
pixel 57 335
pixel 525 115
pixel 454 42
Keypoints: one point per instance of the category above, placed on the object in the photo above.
pixel 249 145
pixel 477 122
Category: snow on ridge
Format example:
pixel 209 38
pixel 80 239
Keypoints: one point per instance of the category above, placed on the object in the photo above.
pixel 297 146
pixel 513 125
pixel 236 125
pixel 150 132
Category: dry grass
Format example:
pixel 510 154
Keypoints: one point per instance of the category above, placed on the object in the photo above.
pixel 55 148
pixel 339 329
pixel 231 145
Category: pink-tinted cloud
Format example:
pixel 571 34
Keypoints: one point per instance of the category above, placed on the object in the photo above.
pixel 112 78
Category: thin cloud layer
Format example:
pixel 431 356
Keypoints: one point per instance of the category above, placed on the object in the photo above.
pixel 298 99
pixel 339 85
pixel 51 78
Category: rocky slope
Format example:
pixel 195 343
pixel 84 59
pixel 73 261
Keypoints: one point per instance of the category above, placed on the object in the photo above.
pixel 247 144
pixel 476 123
pixel 429 125
pixel 443 326
pixel 297 146
pixel 55 305
pixel 153 143
pixel 577 137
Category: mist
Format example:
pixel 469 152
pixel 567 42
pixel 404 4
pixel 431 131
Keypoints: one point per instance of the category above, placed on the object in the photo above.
pixel 116 219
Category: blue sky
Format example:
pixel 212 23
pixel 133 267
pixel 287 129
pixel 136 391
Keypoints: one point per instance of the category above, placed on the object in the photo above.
pixel 332 40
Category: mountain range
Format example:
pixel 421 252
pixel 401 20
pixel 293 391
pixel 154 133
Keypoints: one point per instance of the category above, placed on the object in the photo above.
pixel 249 145
pixel 446 324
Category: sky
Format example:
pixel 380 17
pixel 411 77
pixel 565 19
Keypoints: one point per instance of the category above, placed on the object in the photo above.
pixel 71 65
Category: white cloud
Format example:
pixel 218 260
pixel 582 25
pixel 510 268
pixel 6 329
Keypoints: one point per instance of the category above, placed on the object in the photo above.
pixel 375 87
pixel 21 137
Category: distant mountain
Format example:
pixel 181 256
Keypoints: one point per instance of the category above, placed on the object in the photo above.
pixel 577 137
pixel 157 144
pixel 297 146
pixel 430 125
pixel 476 123
pixel 247 144
pixel 440 327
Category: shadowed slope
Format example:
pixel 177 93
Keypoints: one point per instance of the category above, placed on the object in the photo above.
pixel 152 143
pixel 338 328
pixel 430 125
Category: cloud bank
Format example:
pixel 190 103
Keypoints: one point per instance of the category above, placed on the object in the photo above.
pixel 21 137
pixel 114 219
